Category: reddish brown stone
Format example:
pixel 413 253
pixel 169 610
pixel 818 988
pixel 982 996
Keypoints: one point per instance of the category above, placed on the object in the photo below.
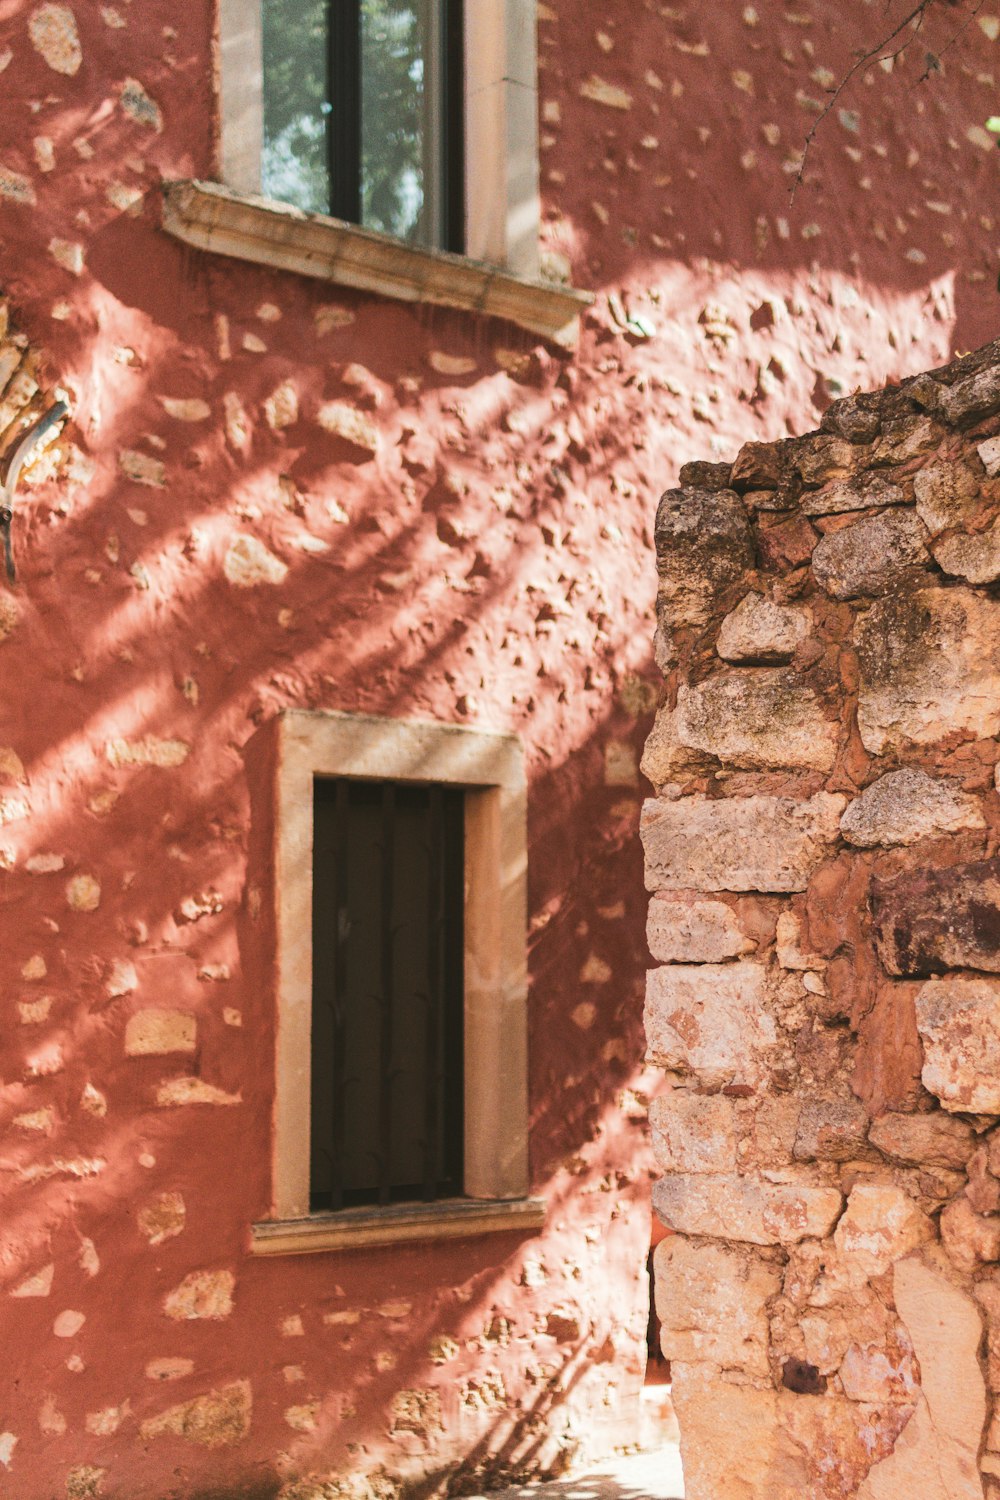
pixel 889 1055
pixel 927 921
pixel 788 544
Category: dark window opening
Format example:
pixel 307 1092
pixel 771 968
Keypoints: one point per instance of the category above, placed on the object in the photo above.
pixel 388 994
pixel 364 114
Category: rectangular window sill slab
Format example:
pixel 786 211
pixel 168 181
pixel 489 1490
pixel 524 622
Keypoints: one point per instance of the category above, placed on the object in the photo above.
pixel 212 217
pixel 355 1228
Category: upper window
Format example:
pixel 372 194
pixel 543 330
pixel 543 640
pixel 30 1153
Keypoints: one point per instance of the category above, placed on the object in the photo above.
pixel 417 119
pixel 363 114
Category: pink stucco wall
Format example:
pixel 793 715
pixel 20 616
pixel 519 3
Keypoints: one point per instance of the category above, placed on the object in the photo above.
pixel 490 564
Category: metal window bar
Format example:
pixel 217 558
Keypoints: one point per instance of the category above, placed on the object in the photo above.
pixel 444 119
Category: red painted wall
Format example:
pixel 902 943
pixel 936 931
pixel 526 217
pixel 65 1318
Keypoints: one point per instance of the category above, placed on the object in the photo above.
pixel 490 565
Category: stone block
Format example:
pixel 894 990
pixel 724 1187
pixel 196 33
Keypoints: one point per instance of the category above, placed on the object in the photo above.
pixel 862 493
pixel 760 1210
pixel 712 1304
pixel 703 546
pixel 970 1239
pixel 710 1021
pixel 935 1139
pixel 959 1025
pixel 880 1225
pixel 788 946
pixel 757 718
pixel 831 1130
pixel 936 1455
pixel 738 844
pixel 870 557
pixel 760 631
pixel 930 667
pixel 947 495
pixel 989 454
pixel 694 1132
pixel 665 761
pixel 975 558
pixel 929 920
pixel 688 929
pixel 905 806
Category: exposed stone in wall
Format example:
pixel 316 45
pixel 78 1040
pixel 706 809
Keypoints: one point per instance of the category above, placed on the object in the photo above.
pixel 826 916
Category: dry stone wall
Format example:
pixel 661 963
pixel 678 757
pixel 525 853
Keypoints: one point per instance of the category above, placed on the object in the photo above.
pixel 822 852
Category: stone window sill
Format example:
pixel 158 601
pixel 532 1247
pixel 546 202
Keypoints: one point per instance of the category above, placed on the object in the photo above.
pixel 356 1228
pixel 212 217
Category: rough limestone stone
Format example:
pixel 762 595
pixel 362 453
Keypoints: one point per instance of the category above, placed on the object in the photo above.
pixel 760 631
pixel 959 1024
pixel 831 1130
pixel 350 426
pixel 975 558
pixel 689 929
pixel 936 1455
pixel 752 1208
pixel 929 920
pixel 741 1442
pixel 872 556
pixel 934 1140
pixel 703 545
pixel 665 761
pixel 970 1239
pixel 53 33
pixel 860 494
pixel 788 945
pixel 215 1420
pixel 947 494
pixel 739 844
pixel 757 718
pixel 905 806
pixel 989 453
pixel 248 563
pixel 930 666
pixel 710 1020
pixel 711 1302
pixel 694 1132
pixel 880 1225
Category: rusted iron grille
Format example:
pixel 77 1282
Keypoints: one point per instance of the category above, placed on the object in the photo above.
pixel 388 987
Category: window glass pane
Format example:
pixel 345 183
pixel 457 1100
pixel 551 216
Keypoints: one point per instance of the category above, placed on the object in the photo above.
pixel 401 98
pixel 294 168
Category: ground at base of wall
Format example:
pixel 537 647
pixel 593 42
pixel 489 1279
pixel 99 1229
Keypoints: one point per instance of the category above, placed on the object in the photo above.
pixel 642 1476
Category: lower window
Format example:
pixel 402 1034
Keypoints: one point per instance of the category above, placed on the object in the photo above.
pixel 388 994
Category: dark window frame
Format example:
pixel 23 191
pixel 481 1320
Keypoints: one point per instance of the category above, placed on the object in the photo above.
pixel 344 124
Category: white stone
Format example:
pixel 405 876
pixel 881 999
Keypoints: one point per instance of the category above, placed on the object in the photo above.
pixel 694 1132
pixel 758 630
pixel 757 717
pixel 880 1225
pixel 248 563
pixel 738 843
pixel 710 1020
pixel 712 1304
pixel 689 929
pixel 989 451
pixel 905 806
pixel 936 1456
pixel 959 1024
pixel 752 1208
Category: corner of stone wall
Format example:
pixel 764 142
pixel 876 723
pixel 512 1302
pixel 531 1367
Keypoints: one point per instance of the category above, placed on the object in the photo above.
pixel 825 917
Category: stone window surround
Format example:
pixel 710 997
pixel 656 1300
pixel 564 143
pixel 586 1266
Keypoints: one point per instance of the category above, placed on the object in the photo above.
pixel 503 212
pixel 491 768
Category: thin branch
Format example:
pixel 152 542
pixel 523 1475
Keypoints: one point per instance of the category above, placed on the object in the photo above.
pixel 916 14
pixel 933 67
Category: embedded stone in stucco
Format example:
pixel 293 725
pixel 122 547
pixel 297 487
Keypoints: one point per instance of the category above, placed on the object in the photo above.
pixel 710 1020
pixel 872 556
pixel 779 1209
pixel 757 717
pixel 739 844
pixel 959 1024
pixel 760 631
pixel 930 667
pixel 712 1303
pixel 905 806
pixel 927 920
pixel 215 1420
pixel 703 546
